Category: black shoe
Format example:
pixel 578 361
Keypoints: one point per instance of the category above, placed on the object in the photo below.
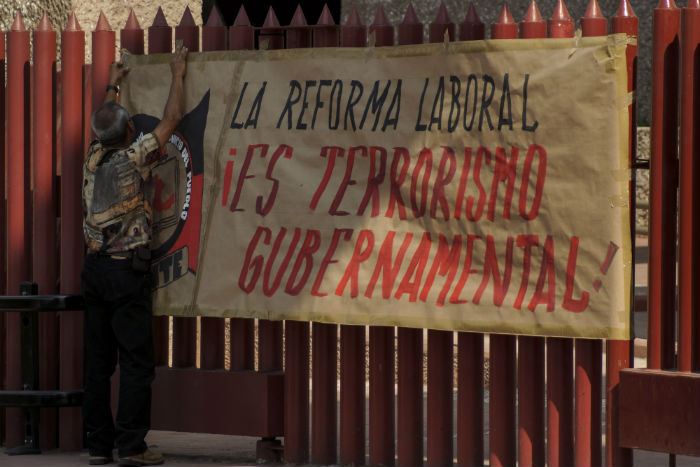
pixel 101 458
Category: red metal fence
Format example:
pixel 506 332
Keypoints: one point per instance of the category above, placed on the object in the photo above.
pixel 47 111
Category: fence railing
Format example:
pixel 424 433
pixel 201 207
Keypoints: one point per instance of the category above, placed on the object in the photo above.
pixel 545 404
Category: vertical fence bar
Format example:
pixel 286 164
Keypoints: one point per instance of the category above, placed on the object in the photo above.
pixel 439 424
pixel 45 256
pixel 131 36
pixel 3 265
pixel 103 40
pixel 662 185
pixel 160 38
pixel 470 346
pixel 531 350
pixel 242 330
pixel 185 329
pixel 18 208
pixel 690 104
pixel 296 369
pixel 382 429
pixel 213 330
pixel 72 247
pixel 241 35
pixel 409 448
pixel 588 352
pixel 324 431
pixel 619 353
pixel 352 338
pixel 270 332
pixel 560 352
pixel 502 359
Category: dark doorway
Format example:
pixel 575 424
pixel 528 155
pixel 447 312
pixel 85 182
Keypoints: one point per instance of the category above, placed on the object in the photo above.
pixel 284 9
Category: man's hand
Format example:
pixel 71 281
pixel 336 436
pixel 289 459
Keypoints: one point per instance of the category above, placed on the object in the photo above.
pixel 178 63
pixel 117 71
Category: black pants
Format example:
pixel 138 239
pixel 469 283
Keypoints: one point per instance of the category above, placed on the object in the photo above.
pixel 118 325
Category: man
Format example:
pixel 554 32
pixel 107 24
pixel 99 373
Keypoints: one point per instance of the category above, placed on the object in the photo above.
pixel 116 278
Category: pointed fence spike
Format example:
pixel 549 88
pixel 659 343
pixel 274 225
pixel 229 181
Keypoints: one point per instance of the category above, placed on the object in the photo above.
pixel 72 24
pixel 442 15
pixel 693 4
pixel 44 23
pixel 505 16
pixel 159 20
pixel 18 24
pixel 533 14
pixel 410 17
pixel 353 18
pixel 298 19
pixel 102 23
pixel 593 10
pixel 132 22
pixel 561 13
pixel 271 20
pixel 472 15
pixel 380 18
pixel 326 19
pixel 214 20
pixel 625 10
pixel 187 18
pixel 241 18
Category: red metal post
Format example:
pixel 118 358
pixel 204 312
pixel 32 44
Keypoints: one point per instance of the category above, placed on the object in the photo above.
pixel 270 332
pixel 472 28
pixel 409 446
pixel 296 379
pixel 298 32
pixel 381 28
pixel 185 329
pixel 531 350
pixel 103 40
pixel 324 431
pixel 689 185
pixel 560 352
pixel 502 358
pixel 662 186
pixel 271 34
pixel 3 265
pixel 470 353
pixel 72 245
pixel 441 23
pixel 533 26
pixel 619 353
pixel 325 31
pixel 504 27
pixel 352 338
pixel 18 208
pixel 213 330
pixel 160 34
pixel 241 35
pixel 45 256
pixel 382 429
pixel 589 353
pixel 410 29
pixel 131 37
pixel 470 399
pixel 160 37
pixel 242 330
pixel 439 422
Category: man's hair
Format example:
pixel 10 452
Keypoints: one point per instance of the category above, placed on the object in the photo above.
pixel 109 123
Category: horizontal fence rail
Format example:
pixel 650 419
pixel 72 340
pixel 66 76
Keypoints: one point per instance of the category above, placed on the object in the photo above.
pixel 545 395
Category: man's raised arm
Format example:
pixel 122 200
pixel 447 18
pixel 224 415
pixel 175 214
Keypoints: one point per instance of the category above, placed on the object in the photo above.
pixel 175 106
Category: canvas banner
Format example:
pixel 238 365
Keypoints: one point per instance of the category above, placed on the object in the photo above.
pixel 480 186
